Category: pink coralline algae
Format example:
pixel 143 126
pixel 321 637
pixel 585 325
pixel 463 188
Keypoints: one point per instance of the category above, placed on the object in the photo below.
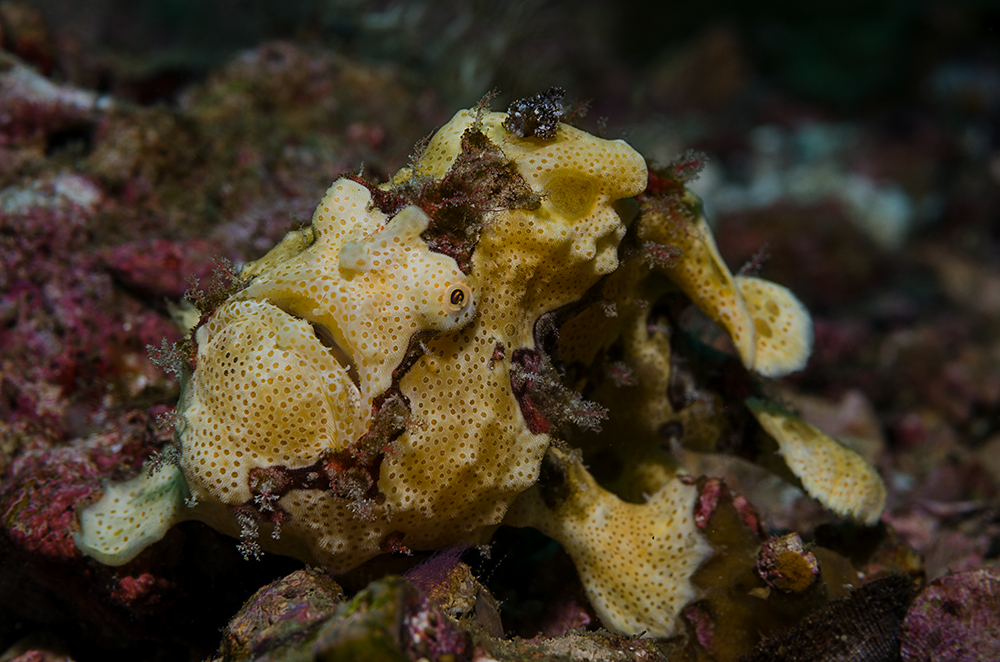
pixel 714 491
pixel 160 269
pixel 45 484
pixel 142 589
pixel 955 619
pixel 70 338
pixel 157 597
pixel 39 497
pixel 75 392
pixel 701 621
pixel 36 114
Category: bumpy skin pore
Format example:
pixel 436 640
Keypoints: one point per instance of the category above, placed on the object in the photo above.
pixel 294 368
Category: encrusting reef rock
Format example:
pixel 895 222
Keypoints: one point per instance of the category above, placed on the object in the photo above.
pixel 432 357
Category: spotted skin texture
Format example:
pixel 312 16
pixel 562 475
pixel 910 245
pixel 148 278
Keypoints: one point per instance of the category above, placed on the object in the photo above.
pixel 633 559
pixel 292 366
pixel 407 373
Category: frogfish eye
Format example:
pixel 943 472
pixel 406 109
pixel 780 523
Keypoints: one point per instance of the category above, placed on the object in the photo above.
pixel 458 299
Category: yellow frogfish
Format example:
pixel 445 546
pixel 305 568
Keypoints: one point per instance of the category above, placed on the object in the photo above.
pixel 445 353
